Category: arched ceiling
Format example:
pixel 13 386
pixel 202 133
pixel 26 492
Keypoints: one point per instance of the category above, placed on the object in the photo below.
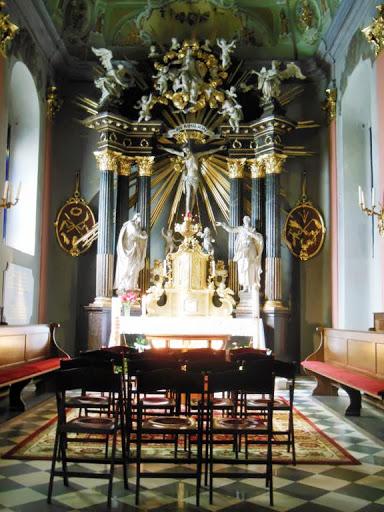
pixel 264 29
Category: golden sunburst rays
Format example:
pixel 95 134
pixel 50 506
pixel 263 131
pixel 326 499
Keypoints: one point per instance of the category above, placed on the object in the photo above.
pixel 86 104
pixel 288 96
pixel 297 151
pixel 162 184
pixel 214 179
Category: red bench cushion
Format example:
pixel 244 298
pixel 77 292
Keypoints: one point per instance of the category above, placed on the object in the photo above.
pixel 28 370
pixel 351 378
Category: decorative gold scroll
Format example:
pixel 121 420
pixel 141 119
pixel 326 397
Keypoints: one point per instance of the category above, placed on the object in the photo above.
pixel 304 231
pixel 73 221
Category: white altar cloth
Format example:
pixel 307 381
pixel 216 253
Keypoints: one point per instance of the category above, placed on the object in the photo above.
pixel 193 325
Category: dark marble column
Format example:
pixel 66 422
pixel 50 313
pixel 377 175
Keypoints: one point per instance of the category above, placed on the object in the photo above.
pixel 145 166
pixel 122 205
pixel 275 314
pixel 108 163
pixel 257 169
pixel 236 174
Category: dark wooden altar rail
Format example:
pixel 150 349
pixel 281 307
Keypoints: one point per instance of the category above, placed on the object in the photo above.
pixel 26 352
pixel 189 337
pixel 353 360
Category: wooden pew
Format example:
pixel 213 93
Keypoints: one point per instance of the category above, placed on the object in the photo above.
pixel 26 352
pixel 353 360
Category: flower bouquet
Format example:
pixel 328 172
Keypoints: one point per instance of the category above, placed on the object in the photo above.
pixel 128 299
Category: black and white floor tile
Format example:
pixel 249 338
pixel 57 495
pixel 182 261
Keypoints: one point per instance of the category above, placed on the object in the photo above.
pixel 304 488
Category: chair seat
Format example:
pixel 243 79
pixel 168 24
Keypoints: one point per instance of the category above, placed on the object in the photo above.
pixel 158 401
pixel 238 424
pixel 170 423
pixel 88 401
pixel 262 403
pixel 98 425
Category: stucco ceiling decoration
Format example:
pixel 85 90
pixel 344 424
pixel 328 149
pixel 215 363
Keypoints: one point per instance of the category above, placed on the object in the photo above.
pixel 263 29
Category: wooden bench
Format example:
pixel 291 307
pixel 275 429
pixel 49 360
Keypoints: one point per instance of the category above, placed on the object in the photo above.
pixel 26 352
pixel 353 360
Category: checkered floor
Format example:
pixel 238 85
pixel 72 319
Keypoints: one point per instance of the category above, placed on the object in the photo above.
pixel 304 488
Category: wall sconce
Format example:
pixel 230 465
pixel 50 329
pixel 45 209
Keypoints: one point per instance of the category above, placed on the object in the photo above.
pixel 374 210
pixel 7 200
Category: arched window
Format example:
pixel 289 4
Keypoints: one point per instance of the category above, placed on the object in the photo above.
pixel 24 130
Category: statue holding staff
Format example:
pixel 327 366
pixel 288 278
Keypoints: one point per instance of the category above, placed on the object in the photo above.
pixel 131 251
pixel 249 245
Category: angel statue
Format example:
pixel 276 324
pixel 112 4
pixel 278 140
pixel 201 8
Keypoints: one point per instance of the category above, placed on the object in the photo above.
pixel 270 79
pixel 191 170
pixel 226 49
pixel 170 244
pixel 208 241
pixel 232 109
pixel 117 77
pixel 144 105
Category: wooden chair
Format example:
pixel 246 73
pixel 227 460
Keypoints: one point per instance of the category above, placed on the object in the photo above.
pixel 81 427
pixel 178 382
pixel 285 370
pixel 243 381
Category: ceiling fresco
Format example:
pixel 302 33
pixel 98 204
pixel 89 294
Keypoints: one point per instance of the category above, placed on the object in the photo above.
pixel 264 29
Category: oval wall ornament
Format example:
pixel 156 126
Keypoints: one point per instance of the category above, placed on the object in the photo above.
pixel 304 231
pixel 74 220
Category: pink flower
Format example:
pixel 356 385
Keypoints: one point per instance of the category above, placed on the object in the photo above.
pixel 130 297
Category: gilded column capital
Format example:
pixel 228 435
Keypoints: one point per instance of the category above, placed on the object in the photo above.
pixel 257 167
pixel 330 104
pixel 125 165
pixel 54 103
pixel 375 31
pixel 236 167
pixel 7 30
pixel 145 165
pixel 273 162
pixel 107 160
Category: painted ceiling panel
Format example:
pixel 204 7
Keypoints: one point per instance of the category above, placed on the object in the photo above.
pixel 264 29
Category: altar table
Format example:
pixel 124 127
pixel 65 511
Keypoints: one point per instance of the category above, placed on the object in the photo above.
pixel 186 328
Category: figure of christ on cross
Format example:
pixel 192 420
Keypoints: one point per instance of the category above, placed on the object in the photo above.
pixel 191 170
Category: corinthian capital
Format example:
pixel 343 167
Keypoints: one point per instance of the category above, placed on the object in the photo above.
pixel 125 165
pixel 274 162
pixel 107 160
pixel 145 165
pixel 236 167
pixel 257 167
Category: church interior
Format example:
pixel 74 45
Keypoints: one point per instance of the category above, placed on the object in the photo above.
pixel 184 177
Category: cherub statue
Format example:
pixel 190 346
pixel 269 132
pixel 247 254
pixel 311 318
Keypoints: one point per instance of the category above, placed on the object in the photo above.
pixel 225 293
pixel 144 105
pixel 175 45
pixel 232 109
pixel 116 78
pixel 206 46
pixel 270 79
pixel 170 245
pixel 161 80
pixel 153 52
pixel 226 49
pixel 208 241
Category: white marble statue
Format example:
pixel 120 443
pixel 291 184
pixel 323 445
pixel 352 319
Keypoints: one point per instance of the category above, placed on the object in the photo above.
pixel 191 171
pixel 226 50
pixel 269 80
pixel 144 105
pixel 208 241
pixel 170 244
pixel 175 45
pixel 118 76
pixel 131 251
pixel 225 294
pixel 231 109
pixel 161 80
pixel 249 245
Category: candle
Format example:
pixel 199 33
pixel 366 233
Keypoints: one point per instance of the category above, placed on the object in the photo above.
pixel 5 192
pixel 165 267
pixel 360 198
pixel 10 193
pixel 373 196
pixel 18 191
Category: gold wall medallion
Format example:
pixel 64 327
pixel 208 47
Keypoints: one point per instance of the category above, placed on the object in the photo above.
pixel 304 230
pixel 74 220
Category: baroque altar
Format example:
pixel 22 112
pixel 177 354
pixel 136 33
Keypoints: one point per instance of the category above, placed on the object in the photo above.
pixel 188 147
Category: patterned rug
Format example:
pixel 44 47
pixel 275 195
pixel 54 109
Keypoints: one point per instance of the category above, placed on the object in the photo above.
pixel 312 445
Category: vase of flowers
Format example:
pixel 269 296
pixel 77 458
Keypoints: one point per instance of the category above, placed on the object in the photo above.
pixel 128 299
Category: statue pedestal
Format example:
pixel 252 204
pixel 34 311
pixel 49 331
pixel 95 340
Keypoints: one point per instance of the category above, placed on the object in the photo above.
pixel 249 304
